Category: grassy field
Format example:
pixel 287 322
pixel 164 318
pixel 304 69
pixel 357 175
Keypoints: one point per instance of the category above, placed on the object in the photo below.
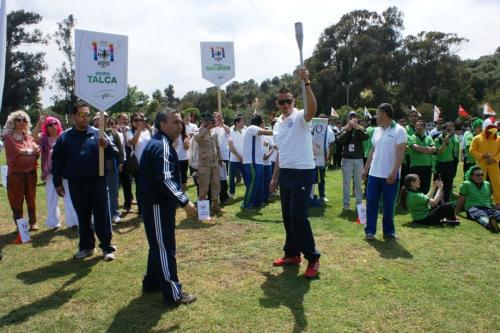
pixel 434 279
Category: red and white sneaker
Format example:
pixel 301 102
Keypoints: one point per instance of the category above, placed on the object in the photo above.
pixel 312 270
pixel 285 261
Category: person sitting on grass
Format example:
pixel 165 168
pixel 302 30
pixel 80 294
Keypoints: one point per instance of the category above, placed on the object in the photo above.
pixel 475 195
pixel 426 209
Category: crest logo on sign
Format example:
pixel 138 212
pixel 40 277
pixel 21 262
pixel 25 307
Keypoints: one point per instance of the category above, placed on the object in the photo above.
pixel 218 53
pixel 104 54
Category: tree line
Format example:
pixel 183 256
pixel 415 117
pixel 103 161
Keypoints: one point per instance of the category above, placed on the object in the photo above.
pixel 361 61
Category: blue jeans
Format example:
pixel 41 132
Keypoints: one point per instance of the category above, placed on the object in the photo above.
pixel 233 168
pixel 112 180
pixel 378 187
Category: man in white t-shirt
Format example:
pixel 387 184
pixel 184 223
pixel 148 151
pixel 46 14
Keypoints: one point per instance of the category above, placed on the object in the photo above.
pixel 268 149
pixel 384 164
pixel 190 127
pixel 223 131
pixel 235 144
pixel 253 155
pixel 295 171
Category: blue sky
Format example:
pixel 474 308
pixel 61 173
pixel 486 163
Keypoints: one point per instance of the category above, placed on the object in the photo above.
pixel 164 35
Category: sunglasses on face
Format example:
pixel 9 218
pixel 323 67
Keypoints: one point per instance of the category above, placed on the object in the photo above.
pixel 137 120
pixel 83 114
pixel 21 120
pixel 285 101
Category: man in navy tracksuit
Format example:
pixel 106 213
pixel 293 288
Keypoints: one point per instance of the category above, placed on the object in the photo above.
pixel 160 182
pixel 76 158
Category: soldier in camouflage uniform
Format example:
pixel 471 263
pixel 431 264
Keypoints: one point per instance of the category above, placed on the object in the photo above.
pixel 209 159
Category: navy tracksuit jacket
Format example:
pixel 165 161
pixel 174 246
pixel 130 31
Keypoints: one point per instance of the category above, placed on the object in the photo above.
pixel 160 183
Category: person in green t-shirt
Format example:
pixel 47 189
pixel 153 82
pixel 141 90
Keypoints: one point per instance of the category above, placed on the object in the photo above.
pixel 426 209
pixel 476 129
pixel 475 196
pixel 421 149
pixel 447 149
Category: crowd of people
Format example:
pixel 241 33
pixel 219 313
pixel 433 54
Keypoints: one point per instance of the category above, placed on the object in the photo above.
pixel 386 159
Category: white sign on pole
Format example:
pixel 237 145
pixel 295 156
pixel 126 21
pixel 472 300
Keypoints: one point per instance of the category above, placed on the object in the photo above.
pixel 24 231
pixel 319 134
pixel 101 68
pixel 217 62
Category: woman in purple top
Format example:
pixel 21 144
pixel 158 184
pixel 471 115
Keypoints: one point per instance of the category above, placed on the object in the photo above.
pixel 46 132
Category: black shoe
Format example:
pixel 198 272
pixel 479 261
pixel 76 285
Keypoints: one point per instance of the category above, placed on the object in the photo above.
pixel 185 299
pixel 494 226
pixel 391 237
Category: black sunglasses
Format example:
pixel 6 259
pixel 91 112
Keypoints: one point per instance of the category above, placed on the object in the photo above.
pixel 285 101
pixel 21 119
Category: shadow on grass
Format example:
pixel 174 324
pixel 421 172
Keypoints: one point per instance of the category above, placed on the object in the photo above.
pixel 141 315
pixel 422 226
pixel 78 268
pixel 7 239
pixel 252 214
pixel 192 223
pixel 25 312
pixel 390 249
pixel 287 289
pixel 41 239
pixel 350 215
pixel 128 226
pixel 317 211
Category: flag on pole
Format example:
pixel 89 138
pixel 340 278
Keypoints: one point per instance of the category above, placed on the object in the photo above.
pixel 3 45
pixel 487 109
pixel 415 110
pixel 461 112
pixel 333 113
pixel 367 113
pixel 437 113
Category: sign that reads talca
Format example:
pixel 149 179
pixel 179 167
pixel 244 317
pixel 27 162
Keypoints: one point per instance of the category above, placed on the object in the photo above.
pixel 101 68
pixel 217 62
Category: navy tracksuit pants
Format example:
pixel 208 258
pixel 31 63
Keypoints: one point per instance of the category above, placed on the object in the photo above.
pixel 295 189
pixel 159 222
pixel 254 192
pixel 90 198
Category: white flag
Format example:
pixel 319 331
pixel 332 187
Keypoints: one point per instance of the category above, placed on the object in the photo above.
pixel 487 109
pixel 367 114
pixel 3 45
pixel 415 109
pixel 437 113
pixel 333 113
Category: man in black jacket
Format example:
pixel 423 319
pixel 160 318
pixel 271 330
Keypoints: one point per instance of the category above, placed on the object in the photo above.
pixel 351 138
pixel 160 181
pixel 76 157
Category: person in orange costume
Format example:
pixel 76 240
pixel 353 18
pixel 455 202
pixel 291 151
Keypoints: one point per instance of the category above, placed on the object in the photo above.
pixel 485 148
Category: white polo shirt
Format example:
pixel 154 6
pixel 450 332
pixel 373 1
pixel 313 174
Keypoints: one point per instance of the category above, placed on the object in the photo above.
pixel 293 137
pixel 252 146
pixel 385 141
pixel 222 137
pixel 236 137
pixel 191 129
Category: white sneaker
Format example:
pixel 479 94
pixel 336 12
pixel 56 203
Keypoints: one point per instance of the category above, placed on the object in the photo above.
pixel 83 253
pixel 109 256
pixel 116 219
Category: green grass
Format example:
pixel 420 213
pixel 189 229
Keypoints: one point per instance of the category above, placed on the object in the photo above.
pixel 433 280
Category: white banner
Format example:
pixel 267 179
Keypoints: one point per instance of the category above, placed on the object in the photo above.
pixel 203 210
pixel 101 68
pixel 319 134
pixel 24 231
pixel 217 62
pixel 3 173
